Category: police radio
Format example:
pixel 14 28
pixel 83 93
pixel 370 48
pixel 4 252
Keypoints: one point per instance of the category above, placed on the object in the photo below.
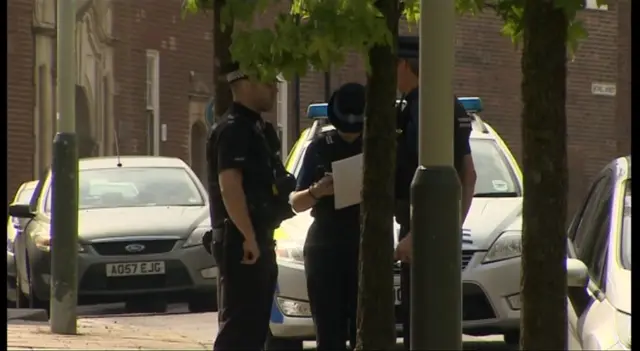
pixel 284 183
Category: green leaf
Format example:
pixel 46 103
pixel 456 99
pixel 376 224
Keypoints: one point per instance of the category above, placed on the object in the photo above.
pixel 575 33
pixel 319 33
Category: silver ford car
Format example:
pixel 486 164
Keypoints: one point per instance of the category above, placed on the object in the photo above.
pixel 491 244
pixel 140 225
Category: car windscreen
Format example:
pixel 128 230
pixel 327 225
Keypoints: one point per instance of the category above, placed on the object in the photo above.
pixel 495 176
pixel 136 187
pixel 626 228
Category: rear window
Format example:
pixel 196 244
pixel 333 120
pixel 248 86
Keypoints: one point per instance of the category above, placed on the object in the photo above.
pixel 24 196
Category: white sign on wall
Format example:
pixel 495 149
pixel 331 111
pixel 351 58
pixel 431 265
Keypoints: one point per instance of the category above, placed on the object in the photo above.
pixel 606 89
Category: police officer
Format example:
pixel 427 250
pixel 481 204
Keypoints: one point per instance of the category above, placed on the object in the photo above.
pixel 407 161
pixel 331 246
pixel 243 175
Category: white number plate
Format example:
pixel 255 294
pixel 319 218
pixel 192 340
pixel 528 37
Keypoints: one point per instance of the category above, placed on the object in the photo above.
pixel 134 268
pixel 397 292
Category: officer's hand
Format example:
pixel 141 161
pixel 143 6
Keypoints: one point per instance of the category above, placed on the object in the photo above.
pixel 324 187
pixel 251 251
pixel 403 250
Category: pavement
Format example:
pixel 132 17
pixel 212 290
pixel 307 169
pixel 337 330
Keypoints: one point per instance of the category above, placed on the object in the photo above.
pixel 108 327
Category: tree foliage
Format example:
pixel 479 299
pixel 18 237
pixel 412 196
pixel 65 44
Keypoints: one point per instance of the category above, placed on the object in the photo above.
pixel 319 33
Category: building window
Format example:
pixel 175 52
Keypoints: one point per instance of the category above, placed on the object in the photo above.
pixel 106 118
pixel 151 133
pixel 153 101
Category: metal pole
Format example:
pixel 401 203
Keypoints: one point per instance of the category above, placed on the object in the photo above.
pixel 64 197
pixel 436 287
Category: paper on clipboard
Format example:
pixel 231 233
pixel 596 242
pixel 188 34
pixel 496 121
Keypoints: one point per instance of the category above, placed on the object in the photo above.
pixel 347 181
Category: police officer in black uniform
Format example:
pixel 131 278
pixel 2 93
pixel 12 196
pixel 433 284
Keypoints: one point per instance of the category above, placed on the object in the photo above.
pixel 407 161
pixel 331 246
pixel 249 192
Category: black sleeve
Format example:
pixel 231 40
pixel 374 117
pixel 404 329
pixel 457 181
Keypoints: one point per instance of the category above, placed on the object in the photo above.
pixel 232 148
pixel 310 162
pixel 461 131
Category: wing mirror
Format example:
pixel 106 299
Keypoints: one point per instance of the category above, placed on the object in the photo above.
pixel 21 211
pixel 577 274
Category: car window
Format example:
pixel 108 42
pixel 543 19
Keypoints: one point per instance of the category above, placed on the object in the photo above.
pixel 494 174
pixel 23 197
pixel 626 228
pixel 578 232
pixel 596 257
pixel 593 231
pixel 136 187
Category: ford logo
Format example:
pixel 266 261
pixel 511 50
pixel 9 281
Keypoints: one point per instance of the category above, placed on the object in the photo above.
pixel 133 248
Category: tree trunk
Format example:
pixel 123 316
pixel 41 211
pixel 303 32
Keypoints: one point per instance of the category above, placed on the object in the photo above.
pixel 544 287
pixel 221 58
pixel 376 322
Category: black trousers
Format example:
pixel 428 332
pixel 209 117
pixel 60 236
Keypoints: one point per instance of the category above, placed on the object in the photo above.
pixel 405 286
pixel 245 295
pixel 332 286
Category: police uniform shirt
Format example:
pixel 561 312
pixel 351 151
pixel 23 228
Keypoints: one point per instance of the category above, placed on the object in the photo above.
pixel 236 144
pixel 330 225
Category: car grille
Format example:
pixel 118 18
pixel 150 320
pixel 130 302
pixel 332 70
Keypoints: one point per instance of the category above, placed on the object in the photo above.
pixel 95 279
pixel 117 248
pixel 467 255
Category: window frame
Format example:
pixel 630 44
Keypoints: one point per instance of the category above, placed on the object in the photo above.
pixel 152 98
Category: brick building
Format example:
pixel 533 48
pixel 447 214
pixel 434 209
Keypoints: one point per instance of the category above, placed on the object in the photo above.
pixel 144 79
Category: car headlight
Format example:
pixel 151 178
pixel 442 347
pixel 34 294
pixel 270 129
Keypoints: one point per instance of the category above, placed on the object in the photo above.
pixel 508 245
pixel 43 242
pixel 289 252
pixel 195 238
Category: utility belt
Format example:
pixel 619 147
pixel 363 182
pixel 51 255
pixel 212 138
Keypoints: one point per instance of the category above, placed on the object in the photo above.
pixel 229 235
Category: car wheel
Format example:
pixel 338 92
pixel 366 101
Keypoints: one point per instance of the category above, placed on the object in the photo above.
pixel 512 337
pixel 203 302
pixel 274 343
pixel 146 305
pixel 31 300
pixel 21 300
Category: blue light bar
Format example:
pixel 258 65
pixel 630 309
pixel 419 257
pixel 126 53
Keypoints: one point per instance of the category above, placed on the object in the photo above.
pixel 317 111
pixel 471 104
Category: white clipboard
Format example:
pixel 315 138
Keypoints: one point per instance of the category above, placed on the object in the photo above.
pixel 347 181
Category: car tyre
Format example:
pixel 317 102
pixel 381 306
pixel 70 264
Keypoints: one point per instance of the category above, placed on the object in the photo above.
pixel 512 337
pixel 203 302
pixel 146 305
pixel 29 300
pixel 274 343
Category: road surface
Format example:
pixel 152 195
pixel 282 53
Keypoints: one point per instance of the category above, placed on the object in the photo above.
pixel 201 327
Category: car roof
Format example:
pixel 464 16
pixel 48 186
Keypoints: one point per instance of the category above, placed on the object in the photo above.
pixel 476 133
pixel 130 162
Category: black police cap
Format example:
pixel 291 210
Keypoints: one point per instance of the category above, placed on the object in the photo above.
pixel 346 107
pixel 408 47
pixel 231 71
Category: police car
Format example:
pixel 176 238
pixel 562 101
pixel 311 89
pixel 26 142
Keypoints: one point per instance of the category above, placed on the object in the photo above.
pixel 599 263
pixel 490 251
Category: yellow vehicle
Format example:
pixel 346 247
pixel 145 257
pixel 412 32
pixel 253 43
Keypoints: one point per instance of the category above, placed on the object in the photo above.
pixel 490 252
